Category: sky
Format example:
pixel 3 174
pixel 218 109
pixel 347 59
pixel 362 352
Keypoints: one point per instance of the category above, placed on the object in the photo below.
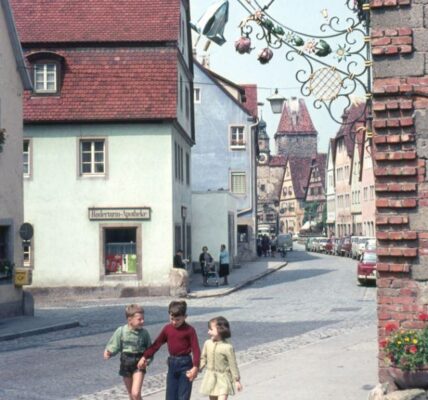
pixel 299 15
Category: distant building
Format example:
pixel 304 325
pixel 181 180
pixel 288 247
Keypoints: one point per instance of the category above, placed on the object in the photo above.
pixel 315 196
pixel 330 189
pixel 224 156
pixel 282 179
pixel 14 79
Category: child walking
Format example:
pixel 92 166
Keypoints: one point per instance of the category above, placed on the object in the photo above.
pixel 131 340
pixel 218 356
pixel 182 341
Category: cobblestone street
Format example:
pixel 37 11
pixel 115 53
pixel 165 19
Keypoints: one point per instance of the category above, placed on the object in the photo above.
pixel 314 298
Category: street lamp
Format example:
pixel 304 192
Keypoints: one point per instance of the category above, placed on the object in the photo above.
pixel 276 102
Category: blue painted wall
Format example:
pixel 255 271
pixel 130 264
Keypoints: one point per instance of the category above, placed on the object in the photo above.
pixel 212 157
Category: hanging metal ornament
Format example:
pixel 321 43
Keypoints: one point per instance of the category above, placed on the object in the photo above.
pixel 338 61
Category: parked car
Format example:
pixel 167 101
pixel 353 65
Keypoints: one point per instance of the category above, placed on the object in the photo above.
pixel 284 242
pixel 366 269
pixel 362 246
pixel 308 244
pixel 321 244
pixel 336 246
pixel 346 247
pixel 370 245
pixel 314 244
pixel 328 248
pixel 354 245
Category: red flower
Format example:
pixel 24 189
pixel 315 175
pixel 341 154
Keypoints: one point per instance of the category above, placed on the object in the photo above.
pixel 390 327
pixel 423 316
pixel 413 349
pixel 383 343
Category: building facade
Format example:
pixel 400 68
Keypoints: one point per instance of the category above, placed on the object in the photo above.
pixel 110 117
pixel 330 189
pixel 282 178
pixel 13 80
pixel 224 155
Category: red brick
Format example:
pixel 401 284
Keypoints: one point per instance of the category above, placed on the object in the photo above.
pixel 406 104
pixel 378 106
pixel 391 50
pixel 393 138
pixel 401 40
pixel 378 33
pixel 405 31
pixel 409 202
pixel 379 139
pixel 407 121
pixel 391 32
pixel 405 48
pixel 423 235
pixel 379 123
pixel 393 123
pixel 382 203
pixel 406 88
pixel 382 41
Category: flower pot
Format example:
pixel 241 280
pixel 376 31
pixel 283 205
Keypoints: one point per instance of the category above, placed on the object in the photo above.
pixel 417 379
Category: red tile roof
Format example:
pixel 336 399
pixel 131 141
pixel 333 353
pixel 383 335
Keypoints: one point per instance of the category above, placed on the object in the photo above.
pixel 110 85
pixel 300 123
pixel 300 169
pixel 96 20
pixel 348 131
pixel 278 161
pixel 251 98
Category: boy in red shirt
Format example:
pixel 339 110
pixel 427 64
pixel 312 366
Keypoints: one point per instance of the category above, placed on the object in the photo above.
pixel 182 341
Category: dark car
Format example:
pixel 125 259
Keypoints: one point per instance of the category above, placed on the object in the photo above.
pixel 328 248
pixel 346 247
pixel 366 269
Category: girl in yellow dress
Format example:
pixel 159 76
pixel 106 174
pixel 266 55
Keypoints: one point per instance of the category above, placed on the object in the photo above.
pixel 218 357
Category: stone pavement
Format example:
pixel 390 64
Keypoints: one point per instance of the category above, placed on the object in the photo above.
pixel 342 366
pixel 11 328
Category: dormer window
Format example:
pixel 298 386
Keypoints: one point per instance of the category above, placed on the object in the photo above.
pixel 46 77
pixel 46 70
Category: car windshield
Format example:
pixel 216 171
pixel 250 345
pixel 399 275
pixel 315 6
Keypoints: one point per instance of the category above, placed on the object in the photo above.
pixel 370 257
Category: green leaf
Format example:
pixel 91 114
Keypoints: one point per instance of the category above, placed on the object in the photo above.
pixel 324 49
pixel 298 41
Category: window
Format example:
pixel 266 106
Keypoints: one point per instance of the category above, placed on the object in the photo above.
pixel 179 163
pixel 365 193
pixel 26 159
pixel 371 192
pixel 197 95
pixel 181 93
pixel 187 98
pixel 120 250
pixel 262 188
pixel 92 157
pixel 242 233
pixel 187 169
pixel 237 138
pixel 238 182
pixel 46 77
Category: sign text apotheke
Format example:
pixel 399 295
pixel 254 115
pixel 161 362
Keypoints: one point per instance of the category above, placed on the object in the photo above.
pixel 118 213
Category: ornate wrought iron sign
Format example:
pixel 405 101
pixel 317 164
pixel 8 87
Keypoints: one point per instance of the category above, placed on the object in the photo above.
pixel 338 62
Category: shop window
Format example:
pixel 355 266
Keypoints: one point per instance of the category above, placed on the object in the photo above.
pixel 242 233
pixel 6 264
pixel 120 250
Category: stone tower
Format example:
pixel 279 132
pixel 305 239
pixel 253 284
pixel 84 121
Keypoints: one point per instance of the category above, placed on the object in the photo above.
pixel 296 135
pixel 263 141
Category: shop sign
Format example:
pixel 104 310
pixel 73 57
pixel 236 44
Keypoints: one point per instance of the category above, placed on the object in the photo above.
pixel 119 213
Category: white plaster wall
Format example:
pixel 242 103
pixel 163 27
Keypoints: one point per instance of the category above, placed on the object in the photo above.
pixel 210 221
pixel 66 242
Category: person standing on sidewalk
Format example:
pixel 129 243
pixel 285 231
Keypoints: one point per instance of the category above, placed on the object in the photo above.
pixel 205 260
pixel 218 357
pixel 131 340
pixel 224 264
pixel 182 341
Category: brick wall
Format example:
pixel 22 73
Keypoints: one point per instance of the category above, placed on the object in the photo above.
pixel 400 110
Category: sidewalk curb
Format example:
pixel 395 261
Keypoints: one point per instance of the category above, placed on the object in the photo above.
pixel 238 286
pixel 38 331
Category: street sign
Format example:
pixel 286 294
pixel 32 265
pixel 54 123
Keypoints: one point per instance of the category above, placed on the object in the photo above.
pixel 26 231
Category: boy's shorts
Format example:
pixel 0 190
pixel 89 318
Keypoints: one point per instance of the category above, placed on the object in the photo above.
pixel 128 364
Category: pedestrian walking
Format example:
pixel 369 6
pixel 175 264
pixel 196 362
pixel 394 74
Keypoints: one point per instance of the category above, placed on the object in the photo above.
pixel 131 340
pixel 218 357
pixel 224 264
pixel 205 261
pixel 265 245
pixel 182 341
